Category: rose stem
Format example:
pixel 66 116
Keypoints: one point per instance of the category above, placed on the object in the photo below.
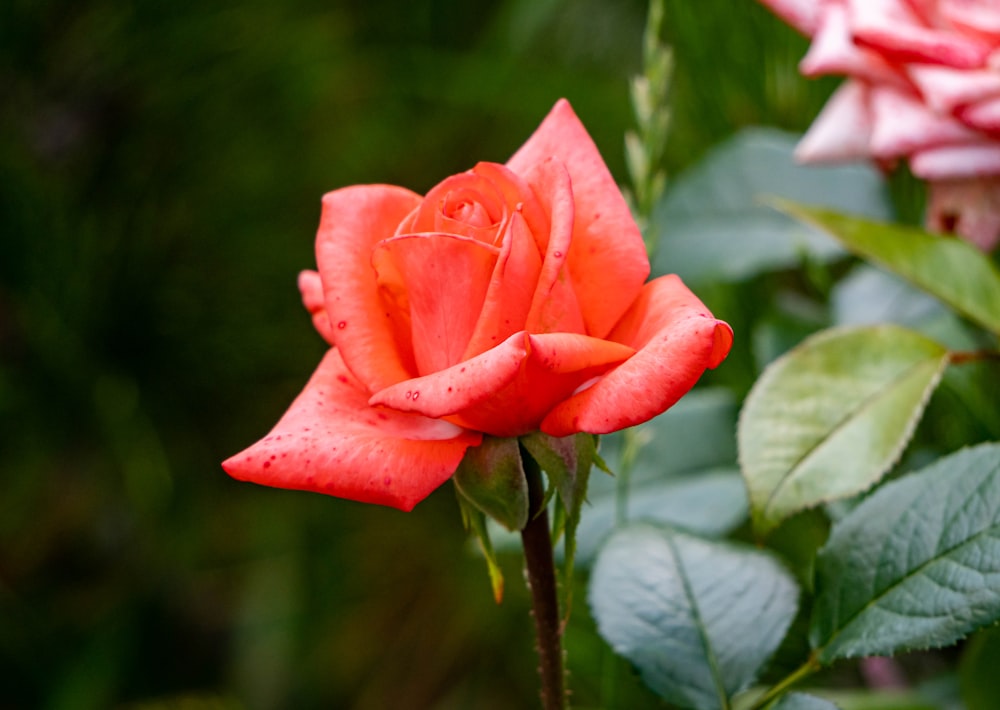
pixel 542 582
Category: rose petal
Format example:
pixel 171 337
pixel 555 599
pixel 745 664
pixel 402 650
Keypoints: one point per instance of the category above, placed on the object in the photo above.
pixel 978 18
pixel 311 288
pixel 983 115
pixel 960 161
pixel 945 89
pixel 677 338
pixel 508 298
pixel 508 390
pixel 330 441
pixel 969 208
pixel 555 306
pixel 557 365
pixel 803 15
pixel 445 278
pixel 903 125
pixel 833 51
pixel 608 253
pixel 519 196
pixel 842 130
pixel 370 335
pixel 465 204
pixel 892 28
pixel 459 386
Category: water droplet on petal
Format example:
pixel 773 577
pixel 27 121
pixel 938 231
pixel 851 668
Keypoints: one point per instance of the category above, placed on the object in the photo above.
pixel 342 324
pixel 415 395
pixel 557 254
pixel 408 395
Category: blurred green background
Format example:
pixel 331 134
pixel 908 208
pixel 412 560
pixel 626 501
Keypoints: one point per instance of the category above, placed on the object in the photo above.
pixel 161 168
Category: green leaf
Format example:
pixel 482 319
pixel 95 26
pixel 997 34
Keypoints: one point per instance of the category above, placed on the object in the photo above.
pixel 916 565
pixel 709 503
pixel 491 477
pixel 946 267
pixel 682 473
pixel 802 701
pixel 828 419
pixel 698 618
pixel 869 295
pixel 714 226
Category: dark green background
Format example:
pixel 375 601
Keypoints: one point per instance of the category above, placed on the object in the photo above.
pixel 161 165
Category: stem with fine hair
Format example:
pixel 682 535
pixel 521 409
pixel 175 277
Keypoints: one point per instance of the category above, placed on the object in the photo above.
pixel 540 565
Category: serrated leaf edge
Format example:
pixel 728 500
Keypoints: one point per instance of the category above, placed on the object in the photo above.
pixel 758 522
pixel 819 651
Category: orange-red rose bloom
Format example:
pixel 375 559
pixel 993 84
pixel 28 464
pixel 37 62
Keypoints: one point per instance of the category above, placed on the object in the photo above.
pixel 509 299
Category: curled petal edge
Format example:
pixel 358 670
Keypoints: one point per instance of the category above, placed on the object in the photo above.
pixel 677 339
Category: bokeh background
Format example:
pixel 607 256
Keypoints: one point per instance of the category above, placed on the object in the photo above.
pixel 161 165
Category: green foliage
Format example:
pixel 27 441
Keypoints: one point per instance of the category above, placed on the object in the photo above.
pixel 949 268
pixel 916 565
pixel 977 671
pixel 714 224
pixel 913 566
pixel 692 488
pixel 698 618
pixel 162 166
pixel 802 701
pixel 829 418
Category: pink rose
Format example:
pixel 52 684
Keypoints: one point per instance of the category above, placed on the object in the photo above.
pixel 924 85
pixel 509 299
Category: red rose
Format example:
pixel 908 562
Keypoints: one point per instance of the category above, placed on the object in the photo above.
pixel 509 299
pixel 924 85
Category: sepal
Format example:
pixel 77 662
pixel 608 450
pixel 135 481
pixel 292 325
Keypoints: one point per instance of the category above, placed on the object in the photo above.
pixel 491 478
pixel 475 520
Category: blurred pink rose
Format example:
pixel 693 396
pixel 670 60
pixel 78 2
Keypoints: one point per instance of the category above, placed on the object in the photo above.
pixel 924 84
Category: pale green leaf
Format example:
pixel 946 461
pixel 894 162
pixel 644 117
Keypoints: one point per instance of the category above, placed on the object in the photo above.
pixel 916 565
pixel 946 267
pixel 828 419
pixel 698 618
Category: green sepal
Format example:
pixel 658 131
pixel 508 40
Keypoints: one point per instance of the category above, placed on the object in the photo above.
pixel 475 520
pixel 491 478
pixel 567 462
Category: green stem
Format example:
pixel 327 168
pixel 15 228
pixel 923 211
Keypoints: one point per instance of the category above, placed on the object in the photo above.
pixel 776 691
pixel 541 570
